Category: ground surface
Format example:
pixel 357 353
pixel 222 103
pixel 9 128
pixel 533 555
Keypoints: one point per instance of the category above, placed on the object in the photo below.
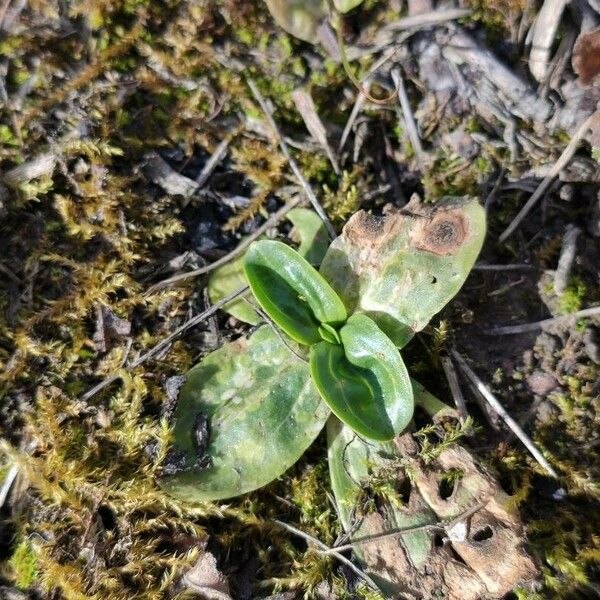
pixel 110 112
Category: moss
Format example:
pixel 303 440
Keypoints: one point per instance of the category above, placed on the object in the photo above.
pixel 24 565
pixel 571 300
pixel 345 200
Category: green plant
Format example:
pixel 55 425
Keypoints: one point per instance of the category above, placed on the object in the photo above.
pixel 250 409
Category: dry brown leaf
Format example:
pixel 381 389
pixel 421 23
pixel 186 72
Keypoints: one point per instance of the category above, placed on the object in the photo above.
pixel 586 56
pixel 481 556
pixel 205 579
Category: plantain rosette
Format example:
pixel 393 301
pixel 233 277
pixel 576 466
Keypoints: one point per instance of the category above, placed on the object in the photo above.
pixel 355 367
pixel 262 397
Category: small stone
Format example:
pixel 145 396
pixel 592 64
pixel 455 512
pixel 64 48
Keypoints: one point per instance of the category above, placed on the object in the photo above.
pixel 541 383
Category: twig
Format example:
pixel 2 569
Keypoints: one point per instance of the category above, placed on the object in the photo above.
pixel 7 484
pixel 495 189
pixel 12 475
pixel 566 259
pixel 164 343
pixel 500 410
pixel 514 267
pixel 308 111
pixel 3 9
pixel 358 106
pixel 411 126
pixel 455 390
pixel 443 525
pixel 543 33
pixel 526 327
pixel 296 170
pixel 212 162
pixel 427 19
pixel 270 222
pixel 560 164
pixel 324 549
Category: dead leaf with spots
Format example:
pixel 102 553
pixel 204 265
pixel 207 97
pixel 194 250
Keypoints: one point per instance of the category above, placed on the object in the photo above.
pixel 404 267
pixel 474 548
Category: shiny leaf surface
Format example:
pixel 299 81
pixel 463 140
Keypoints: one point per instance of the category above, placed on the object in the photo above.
pixel 364 381
pixel 262 412
pixel 291 291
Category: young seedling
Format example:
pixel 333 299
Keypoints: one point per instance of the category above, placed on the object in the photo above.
pixel 266 397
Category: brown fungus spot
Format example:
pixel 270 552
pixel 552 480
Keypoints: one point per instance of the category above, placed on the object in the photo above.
pixel 443 234
pixel 364 228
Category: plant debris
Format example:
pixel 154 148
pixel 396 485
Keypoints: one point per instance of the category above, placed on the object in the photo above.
pixel 143 143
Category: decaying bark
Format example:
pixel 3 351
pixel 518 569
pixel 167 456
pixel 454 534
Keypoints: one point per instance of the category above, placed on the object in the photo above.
pixel 482 556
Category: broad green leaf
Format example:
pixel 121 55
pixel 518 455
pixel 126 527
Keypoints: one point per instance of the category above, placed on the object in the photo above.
pixel 263 412
pixel 291 291
pixel 364 381
pixel 352 463
pixel 224 281
pixel 402 269
pixel 311 232
pixel 314 241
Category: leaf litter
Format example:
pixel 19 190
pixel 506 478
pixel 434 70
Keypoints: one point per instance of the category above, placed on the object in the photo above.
pixel 95 88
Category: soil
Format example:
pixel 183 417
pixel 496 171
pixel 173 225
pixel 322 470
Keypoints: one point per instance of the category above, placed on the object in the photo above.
pixel 111 112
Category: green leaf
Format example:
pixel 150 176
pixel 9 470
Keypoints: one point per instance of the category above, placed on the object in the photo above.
pixel 352 463
pixel 224 281
pixel 346 5
pixel 311 232
pixel 352 460
pixel 291 291
pixel 364 381
pixel 301 18
pixel 308 230
pixel 405 267
pixel 263 412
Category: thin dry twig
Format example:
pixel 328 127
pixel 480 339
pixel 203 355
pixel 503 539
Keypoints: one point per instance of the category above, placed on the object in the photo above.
pixel 285 151
pixel 428 19
pixel 501 411
pixel 526 327
pixel 270 222
pixel 560 164
pixel 543 34
pixel 212 162
pixel 513 267
pixel 455 390
pixel 324 549
pixel 443 525
pixel 164 342
pixel 566 259
pixel 411 126
pixel 308 111
pixel 9 479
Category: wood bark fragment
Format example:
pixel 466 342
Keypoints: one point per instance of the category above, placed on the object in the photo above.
pixel 542 37
pixel 159 172
pixel 32 169
pixel 566 259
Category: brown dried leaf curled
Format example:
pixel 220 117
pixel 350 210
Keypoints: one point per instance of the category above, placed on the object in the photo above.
pixel 586 56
